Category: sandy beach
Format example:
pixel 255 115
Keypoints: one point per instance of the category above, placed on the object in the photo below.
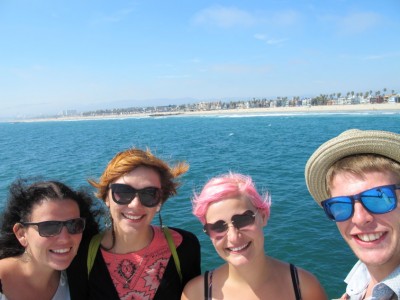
pixel 273 110
pixel 305 109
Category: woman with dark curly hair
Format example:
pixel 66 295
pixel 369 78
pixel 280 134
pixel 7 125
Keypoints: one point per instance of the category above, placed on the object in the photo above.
pixel 41 228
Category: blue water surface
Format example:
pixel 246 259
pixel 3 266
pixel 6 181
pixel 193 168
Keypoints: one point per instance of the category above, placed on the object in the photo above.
pixel 273 149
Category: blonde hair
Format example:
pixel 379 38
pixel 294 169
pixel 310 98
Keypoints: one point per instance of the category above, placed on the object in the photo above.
pixel 360 164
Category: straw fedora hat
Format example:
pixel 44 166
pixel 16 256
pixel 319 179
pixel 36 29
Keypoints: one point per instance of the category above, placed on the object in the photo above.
pixel 350 142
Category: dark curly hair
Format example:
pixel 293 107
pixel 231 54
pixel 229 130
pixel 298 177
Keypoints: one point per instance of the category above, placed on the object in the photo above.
pixel 23 196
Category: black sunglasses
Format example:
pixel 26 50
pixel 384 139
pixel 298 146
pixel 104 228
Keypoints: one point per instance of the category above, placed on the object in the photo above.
pixel 220 228
pixel 53 228
pixel 124 194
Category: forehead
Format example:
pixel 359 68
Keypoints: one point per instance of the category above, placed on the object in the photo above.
pixel 141 176
pixel 347 183
pixel 54 210
pixel 225 209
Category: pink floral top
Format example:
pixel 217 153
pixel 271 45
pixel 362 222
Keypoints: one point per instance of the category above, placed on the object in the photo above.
pixel 137 275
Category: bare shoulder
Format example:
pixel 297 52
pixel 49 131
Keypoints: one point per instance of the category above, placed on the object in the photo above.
pixel 310 286
pixel 6 266
pixel 9 269
pixel 194 289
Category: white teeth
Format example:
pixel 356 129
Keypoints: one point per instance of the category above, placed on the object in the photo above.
pixel 369 237
pixel 130 217
pixel 60 251
pixel 239 248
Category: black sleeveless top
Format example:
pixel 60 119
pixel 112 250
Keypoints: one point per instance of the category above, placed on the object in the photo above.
pixel 293 273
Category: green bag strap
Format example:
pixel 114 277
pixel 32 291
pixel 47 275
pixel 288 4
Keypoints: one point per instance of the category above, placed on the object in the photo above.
pixel 95 244
pixel 172 247
pixel 92 251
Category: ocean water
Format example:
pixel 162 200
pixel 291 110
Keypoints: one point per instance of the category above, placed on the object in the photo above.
pixel 272 148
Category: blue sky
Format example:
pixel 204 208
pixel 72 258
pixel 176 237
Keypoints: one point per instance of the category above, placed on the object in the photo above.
pixel 94 54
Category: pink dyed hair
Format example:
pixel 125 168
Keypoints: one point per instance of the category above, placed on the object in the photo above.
pixel 226 186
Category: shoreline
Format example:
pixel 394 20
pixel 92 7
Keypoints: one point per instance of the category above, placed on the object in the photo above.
pixel 382 107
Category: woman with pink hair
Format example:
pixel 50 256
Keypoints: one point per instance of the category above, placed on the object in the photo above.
pixel 233 215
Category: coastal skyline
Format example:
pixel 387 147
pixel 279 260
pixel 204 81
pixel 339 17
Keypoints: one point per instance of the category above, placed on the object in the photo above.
pixel 74 55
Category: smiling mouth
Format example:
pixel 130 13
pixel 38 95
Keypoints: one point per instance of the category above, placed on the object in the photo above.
pixel 240 248
pixel 369 237
pixel 61 251
pixel 133 218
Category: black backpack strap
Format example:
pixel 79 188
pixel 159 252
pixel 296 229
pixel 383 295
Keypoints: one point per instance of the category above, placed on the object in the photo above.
pixel 295 281
pixel 206 285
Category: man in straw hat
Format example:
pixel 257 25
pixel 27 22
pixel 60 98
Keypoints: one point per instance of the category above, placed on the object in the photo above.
pixel 355 178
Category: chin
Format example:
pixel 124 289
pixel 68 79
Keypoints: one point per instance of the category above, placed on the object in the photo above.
pixel 374 258
pixel 60 267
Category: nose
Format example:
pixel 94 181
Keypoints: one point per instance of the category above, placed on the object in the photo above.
pixel 64 234
pixel 233 233
pixel 135 201
pixel 361 215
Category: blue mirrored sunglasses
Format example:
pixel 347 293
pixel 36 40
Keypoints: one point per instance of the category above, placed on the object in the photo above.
pixel 378 200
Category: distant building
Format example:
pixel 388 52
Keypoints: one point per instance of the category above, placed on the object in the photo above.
pixel 69 113
pixel 394 99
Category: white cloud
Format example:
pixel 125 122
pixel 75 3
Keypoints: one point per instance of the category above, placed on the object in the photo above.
pixel 195 60
pixel 260 36
pixel 30 72
pixel 276 41
pixel 358 22
pixel 114 17
pixel 380 56
pixel 370 56
pixel 269 41
pixel 240 69
pixel 285 18
pixel 224 17
pixel 171 76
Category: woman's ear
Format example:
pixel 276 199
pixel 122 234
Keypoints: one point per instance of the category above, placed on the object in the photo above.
pixel 159 207
pixel 107 201
pixel 264 218
pixel 20 233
